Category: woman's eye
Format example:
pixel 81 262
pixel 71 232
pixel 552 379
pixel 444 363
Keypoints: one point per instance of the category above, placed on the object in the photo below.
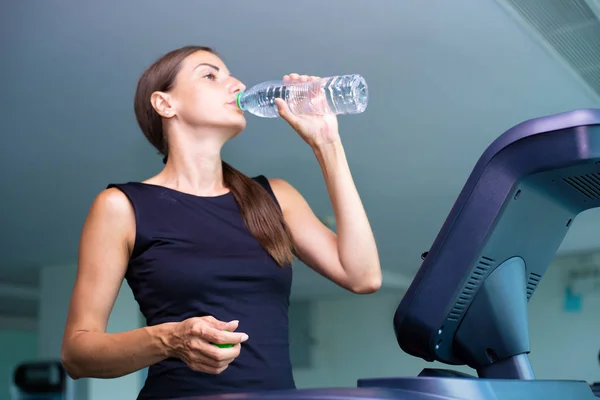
pixel 210 76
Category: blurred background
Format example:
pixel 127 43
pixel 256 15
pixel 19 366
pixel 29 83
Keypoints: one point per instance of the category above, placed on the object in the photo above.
pixel 445 79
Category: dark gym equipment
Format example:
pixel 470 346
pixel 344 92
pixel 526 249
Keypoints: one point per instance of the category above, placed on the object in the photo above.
pixel 40 380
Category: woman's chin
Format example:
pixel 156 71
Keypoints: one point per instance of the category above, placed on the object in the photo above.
pixel 238 126
pixel 234 130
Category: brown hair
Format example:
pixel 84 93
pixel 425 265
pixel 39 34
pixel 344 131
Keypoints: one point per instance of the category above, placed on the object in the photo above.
pixel 261 214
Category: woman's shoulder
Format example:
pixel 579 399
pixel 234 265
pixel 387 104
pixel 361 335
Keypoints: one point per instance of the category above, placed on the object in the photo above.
pixel 112 203
pixel 285 193
pixel 274 185
pixel 111 209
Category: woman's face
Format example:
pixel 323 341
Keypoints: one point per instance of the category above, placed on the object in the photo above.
pixel 204 94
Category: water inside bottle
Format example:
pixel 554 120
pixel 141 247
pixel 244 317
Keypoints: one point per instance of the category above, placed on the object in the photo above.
pixel 347 94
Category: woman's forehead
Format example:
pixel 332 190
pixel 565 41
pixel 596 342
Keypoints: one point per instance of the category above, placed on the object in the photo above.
pixel 205 59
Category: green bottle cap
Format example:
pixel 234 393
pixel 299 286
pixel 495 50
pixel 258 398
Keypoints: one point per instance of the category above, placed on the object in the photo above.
pixel 238 100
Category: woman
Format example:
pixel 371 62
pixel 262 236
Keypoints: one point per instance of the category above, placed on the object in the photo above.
pixel 205 249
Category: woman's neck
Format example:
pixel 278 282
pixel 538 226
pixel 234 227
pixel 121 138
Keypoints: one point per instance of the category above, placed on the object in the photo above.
pixel 194 168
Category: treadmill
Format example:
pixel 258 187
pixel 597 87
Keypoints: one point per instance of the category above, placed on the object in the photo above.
pixel 467 304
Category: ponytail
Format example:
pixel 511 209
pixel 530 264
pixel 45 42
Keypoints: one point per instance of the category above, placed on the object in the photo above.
pixel 261 214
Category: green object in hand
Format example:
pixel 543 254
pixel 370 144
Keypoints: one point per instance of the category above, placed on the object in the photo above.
pixel 224 345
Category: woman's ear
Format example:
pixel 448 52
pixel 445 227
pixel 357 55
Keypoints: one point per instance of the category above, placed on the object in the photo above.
pixel 161 103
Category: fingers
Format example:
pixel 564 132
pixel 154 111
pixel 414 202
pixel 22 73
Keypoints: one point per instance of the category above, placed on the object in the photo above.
pixel 221 325
pixel 219 355
pixel 284 111
pixel 213 355
pixel 214 335
pixel 213 360
pixel 208 344
pixel 226 337
pixel 299 78
pixel 282 107
pixel 203 350
pixel 229 326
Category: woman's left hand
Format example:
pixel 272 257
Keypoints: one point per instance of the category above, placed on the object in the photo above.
pixel 316 130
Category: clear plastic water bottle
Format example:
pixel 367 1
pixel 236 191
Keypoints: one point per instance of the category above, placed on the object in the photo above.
pixel 345 94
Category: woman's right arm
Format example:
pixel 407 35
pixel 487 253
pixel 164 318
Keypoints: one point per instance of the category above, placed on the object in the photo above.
pixel 88 351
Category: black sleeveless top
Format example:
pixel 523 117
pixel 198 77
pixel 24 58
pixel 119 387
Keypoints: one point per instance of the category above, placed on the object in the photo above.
pixel 193 256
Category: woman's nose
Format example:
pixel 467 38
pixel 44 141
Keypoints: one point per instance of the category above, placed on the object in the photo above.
pixel 236 86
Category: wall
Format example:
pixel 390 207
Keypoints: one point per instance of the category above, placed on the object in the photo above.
pixel 56 284
pixel 355 339
pixel 564 344
pixel 16 346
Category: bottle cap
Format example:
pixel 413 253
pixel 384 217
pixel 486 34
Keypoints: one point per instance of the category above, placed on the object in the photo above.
pixel 238 99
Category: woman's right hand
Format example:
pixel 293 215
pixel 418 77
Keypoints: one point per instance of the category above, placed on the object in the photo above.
pixel 193 341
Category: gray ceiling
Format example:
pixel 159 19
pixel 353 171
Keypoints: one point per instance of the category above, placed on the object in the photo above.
pixel 445 79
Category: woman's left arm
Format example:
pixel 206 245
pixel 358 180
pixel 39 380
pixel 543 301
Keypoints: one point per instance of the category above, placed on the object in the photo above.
pixel 350 258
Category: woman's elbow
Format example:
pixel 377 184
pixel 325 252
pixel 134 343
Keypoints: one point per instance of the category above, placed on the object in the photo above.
pixel 70 368
pixel 367 286
pixel 68 359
